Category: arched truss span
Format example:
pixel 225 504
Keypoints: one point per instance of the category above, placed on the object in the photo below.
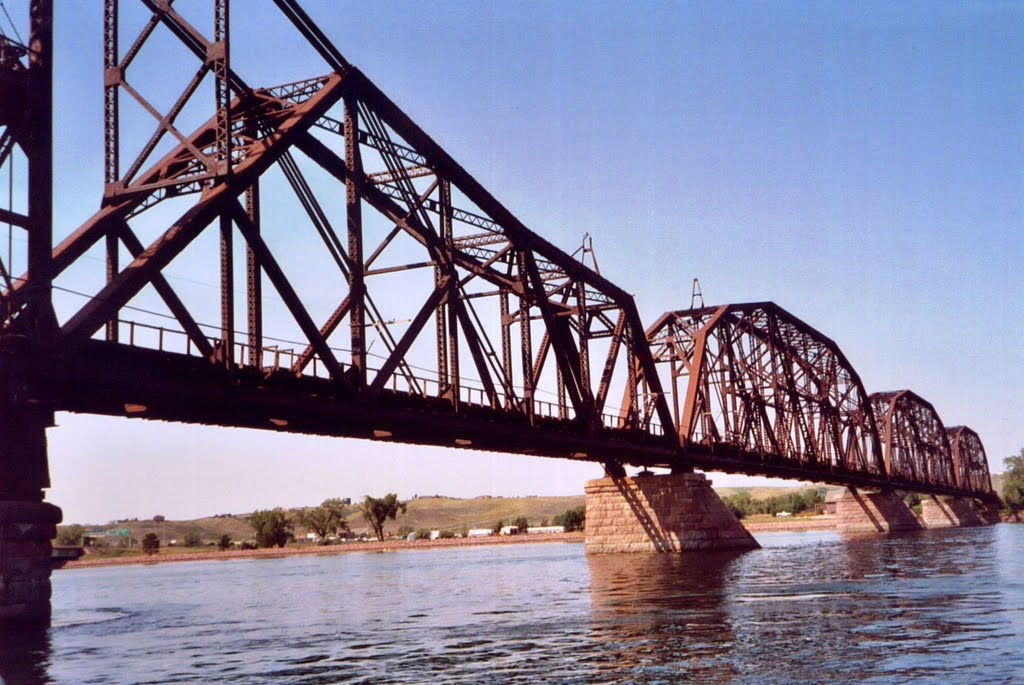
pixel 914 442
pixel 969 460
pixel 754 378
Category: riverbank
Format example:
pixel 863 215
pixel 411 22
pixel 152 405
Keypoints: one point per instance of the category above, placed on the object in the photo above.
pixel 171 556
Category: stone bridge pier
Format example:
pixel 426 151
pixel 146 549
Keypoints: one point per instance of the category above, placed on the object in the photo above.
pixel 863 511
pixel 27 523
pixel 954 512
pixel 675 512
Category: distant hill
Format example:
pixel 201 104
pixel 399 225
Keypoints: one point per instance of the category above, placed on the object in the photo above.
pixel 424 512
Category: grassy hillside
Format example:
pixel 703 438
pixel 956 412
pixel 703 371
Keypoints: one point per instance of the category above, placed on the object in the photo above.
pixel 424 512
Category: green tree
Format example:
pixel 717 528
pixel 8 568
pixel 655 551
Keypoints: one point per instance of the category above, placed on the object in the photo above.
pixel 521 523
pixel 496 528
pixel 1013 482
pixel 193 539
pixel 573 519
pixel 326 520
pixel 70 536
pixel 224 543
pixel 377 510
pixel 150 543
pixel 272 527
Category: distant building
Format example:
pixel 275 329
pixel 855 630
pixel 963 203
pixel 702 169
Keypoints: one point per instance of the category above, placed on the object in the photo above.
pixel 509 530
pixel 435 534
pixel 159 518
pixel 478 532
pixel 542 530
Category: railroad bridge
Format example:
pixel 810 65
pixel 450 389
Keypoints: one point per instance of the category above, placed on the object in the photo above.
pixel 490 337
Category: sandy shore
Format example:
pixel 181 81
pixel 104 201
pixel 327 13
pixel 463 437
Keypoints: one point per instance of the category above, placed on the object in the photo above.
pixel 794 525
pixel 96 561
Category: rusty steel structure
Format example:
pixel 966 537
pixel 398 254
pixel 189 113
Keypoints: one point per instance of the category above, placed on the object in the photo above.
pixel 444 320
pixel 752 385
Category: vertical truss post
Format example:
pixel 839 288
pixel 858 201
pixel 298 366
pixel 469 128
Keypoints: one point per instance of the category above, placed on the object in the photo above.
pixel 440 315
pixel 254 281
pixel 526 343
pixel 506 339
pixel 113 247
pixel 219 57
pixel 227 291
pixel 583 331
pixel 39 151
pixel 563 412
pixel 449 308
pixel 354 215
pixel 111 81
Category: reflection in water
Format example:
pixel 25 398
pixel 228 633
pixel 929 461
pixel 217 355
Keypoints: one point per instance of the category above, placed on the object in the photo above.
pixel 811 608
pixel 932 607
pixel 662 616
pixel 24 656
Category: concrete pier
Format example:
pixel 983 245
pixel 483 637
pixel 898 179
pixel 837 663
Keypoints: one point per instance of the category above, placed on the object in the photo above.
pixel 660 513
pixel 956 512
pixel 859 511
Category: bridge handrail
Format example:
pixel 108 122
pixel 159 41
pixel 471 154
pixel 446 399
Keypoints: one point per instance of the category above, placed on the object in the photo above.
pixel 274 358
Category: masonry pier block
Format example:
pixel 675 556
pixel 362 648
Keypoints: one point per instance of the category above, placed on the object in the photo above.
pixel 660 513
pixel 859 511
pixel 937 512
pixel 26 529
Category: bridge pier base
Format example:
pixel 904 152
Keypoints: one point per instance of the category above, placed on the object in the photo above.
pixel 26 529
pixel 27 523
pixel 874 512
pixel 660 513
pixel 956 512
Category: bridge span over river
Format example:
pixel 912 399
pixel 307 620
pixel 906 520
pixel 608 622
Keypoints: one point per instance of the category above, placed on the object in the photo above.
pixel 345 220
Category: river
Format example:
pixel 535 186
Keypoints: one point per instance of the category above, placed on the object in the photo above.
pixel 928 607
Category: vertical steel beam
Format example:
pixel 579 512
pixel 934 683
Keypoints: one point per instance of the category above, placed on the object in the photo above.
pixel 227 291
pixel 111 81
pixel 354 216
pixel 526 341
pixel 219 56
pixel 38 121
pixel 254 281
pixel 113 249
pixel 445 210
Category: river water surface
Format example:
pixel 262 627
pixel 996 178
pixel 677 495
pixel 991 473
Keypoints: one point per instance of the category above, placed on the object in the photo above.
pixel 929 607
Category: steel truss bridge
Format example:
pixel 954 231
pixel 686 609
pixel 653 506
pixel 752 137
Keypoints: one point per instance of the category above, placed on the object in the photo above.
pixel 418 308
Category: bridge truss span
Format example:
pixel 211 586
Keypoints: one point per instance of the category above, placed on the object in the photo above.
pixel 430 298
pixel 753 380
pixel 361 283
pixel 756 390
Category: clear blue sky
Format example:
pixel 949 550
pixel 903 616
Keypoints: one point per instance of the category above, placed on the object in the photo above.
pixel 860 164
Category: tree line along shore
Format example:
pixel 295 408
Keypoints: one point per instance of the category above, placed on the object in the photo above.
pixel 340 525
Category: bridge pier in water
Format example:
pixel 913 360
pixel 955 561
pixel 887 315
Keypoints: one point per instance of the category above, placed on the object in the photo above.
pixel 27 523
pixel 956 512
pixel 885 511
pixel 675 512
